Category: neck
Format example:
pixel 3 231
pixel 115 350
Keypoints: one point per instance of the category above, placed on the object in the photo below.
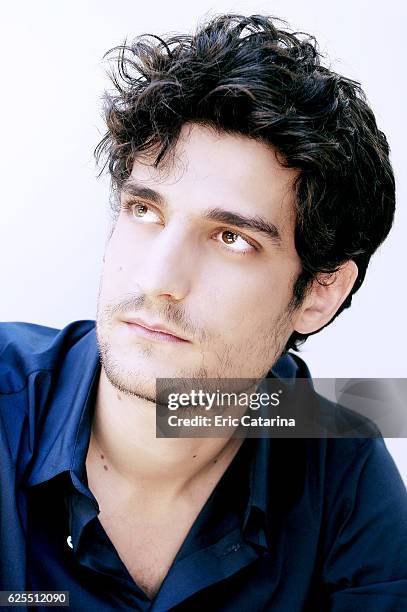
pixel 124 444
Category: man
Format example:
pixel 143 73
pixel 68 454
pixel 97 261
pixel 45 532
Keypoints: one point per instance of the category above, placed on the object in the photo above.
pixel 250 188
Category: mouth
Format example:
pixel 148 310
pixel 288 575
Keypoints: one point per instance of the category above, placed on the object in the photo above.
pixel 152 331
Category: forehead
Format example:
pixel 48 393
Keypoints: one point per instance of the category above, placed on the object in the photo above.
pixel 231 171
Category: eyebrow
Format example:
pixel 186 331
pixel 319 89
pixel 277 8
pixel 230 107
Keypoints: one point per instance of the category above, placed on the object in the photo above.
pixel 253 223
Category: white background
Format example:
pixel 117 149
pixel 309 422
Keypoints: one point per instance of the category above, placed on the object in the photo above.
pixel 53 209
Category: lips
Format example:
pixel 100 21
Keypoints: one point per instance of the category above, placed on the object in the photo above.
pixel 154 327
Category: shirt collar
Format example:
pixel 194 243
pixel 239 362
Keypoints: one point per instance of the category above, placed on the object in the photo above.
pixel 274 482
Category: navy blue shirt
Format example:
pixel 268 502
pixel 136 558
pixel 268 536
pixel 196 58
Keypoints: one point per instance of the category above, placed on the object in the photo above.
pixel 293 525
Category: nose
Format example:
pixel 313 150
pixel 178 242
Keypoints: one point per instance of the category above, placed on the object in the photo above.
pixel 167 264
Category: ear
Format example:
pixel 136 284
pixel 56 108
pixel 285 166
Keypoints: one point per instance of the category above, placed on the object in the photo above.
pixel 325 297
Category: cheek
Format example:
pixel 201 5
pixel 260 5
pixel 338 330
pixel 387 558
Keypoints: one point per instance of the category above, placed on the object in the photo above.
pixel 253 297
pixel 122 245
pixel 121 258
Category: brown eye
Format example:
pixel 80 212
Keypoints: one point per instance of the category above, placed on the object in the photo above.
pixel 235 242
pixel 139 210
pixel 143 213
pixel 229 237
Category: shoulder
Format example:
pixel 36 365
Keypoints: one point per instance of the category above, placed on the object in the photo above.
pixel 31 360
pixel 339 420
pixel 26 348
pixel 364 527
pixel 356 466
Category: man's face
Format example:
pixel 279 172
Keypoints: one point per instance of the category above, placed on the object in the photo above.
pixel 204 248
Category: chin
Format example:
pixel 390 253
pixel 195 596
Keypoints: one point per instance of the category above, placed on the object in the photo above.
pixel 137 385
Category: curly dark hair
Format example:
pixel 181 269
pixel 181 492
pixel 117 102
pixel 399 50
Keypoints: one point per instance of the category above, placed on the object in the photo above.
pixel 243 75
